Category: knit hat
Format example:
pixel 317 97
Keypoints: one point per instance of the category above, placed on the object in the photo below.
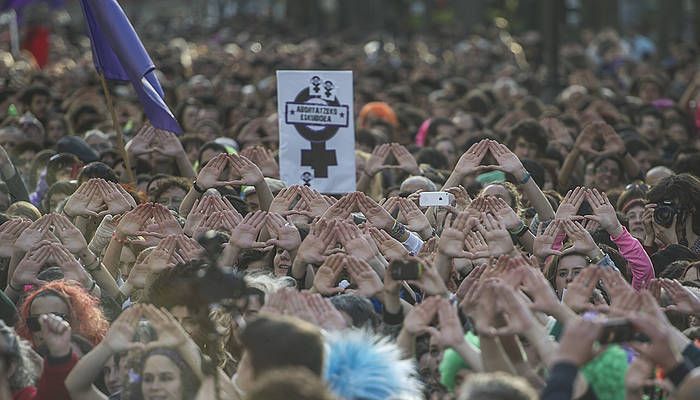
pixel 379 110
pixel 78 147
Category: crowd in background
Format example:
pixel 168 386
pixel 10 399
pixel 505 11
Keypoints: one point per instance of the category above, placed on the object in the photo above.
pixel 571 219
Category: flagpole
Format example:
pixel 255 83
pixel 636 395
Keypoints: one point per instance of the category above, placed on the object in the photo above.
pixel 118 129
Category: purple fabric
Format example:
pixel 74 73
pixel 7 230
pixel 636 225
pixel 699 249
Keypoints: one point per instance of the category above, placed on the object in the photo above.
pixel 118 54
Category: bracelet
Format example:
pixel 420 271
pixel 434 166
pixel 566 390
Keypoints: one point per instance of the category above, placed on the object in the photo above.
pixel 94 266
pixel 525 179
pixel 596 259
pixel 197 188
pixel 397 230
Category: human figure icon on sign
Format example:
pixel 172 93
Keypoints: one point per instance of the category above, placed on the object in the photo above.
pixel 306 177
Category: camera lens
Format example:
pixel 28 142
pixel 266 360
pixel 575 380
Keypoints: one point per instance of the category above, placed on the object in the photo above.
pixel 663 215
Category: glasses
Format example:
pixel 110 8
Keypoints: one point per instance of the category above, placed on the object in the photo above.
pixel 34 325
pixel 640 186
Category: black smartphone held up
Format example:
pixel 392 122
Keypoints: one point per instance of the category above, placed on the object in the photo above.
pixel 620 330
pixel 405 270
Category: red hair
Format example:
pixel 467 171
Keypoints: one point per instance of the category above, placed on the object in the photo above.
pixel 86 318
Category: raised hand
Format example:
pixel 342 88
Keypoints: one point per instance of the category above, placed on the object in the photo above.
pixel 211 175
pixel 470 160
pixel 165 222
pixel 507 160
pixel 170 332
pixel 285 235
pixel 264 158
pixel 543 297
pixel 374 213
pixel 9 232
pixel 313 247
pixel 343 207
pixel 580 290
pixel 142 142
pixel 369 284
pixel 604 212
pixel 168 144
pixel 388 246
pixel 576 345
pixel 85 201
pixel 246 173
pixel 71 267
pixel 34 232
pixel 684 300
pixel 131 223
pixel 57 335
pixel 354 242
pixel 519 318
pixel 282 203
pixel 316 204
pixel 583 242
pixel 326 278
pixel 115 200
pixel 542 245
pixel 418 320
pixel 450 332
pixel 69 235
pixel 571 203
pixel 120 336
pixel 329 318
pixel 452 240
pixel 377 160
pixel 28 268
pixel 405 159
pixel 245 236
pixel 462 199
pixel 414 219
pixel 502 211
pixel 496 235
pixel 430 280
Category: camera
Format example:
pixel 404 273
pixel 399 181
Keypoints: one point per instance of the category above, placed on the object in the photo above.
pixel 430 199
pixel 664 213
pixel 620 330
pixel 405 270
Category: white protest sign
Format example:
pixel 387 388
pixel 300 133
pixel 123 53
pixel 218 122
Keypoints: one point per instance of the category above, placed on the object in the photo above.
pixel 317 132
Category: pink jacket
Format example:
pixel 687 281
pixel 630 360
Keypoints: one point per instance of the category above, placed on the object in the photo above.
pixel 639 262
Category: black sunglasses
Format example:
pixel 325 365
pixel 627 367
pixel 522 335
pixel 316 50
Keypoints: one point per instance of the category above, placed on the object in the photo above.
pixel 34 325
pixel 641 186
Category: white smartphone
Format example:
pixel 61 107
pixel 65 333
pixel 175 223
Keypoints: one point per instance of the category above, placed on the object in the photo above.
pixel 431 199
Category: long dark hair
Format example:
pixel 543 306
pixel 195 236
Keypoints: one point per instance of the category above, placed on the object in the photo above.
pixel 133 379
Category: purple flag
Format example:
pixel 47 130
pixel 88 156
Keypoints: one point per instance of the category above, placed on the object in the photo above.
pixel 118 54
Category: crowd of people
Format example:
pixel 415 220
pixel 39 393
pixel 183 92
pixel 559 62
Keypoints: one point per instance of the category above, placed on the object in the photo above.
pixel 567 266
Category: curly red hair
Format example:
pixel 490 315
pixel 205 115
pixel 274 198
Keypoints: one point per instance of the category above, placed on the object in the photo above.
pixel 86 318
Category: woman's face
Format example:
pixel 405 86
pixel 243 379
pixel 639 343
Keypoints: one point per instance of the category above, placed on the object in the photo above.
pixel 47 304
pixel 172 197
pixel 634 218
pixel 56 199
pixel 282 262
pixel 189 118
pixel 64 174
pixel 607 175
pixel 55 130
pixel 162 379
pixel 113 373
pixel 568 268
pixel 498 191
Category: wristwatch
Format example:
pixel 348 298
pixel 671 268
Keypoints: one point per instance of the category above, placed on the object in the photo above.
pixel 398 230
pixel 197 188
